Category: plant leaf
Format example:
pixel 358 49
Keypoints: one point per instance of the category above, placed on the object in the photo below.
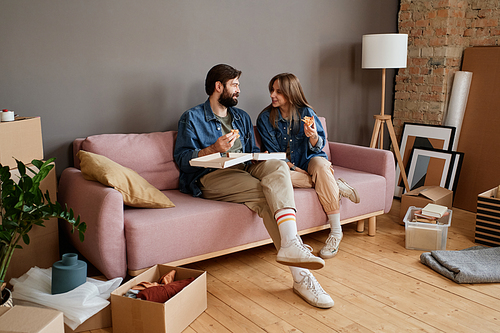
pixel 26 239
pixel 21 167
pixel 37 163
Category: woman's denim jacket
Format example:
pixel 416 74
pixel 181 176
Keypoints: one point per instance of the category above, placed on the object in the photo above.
pixel 277 139
pixel 198 128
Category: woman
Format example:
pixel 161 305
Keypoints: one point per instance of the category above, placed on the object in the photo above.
pixel 282 127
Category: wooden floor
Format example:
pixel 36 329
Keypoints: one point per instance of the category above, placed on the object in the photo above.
pixel 377 286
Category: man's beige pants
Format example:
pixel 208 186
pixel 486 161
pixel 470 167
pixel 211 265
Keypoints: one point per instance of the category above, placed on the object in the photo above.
pixel 264 187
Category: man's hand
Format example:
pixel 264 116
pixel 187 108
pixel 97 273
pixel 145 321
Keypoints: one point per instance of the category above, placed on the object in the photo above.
pixel 222 145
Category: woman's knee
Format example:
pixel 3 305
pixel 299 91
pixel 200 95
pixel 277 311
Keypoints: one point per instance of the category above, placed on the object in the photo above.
pixel 319 165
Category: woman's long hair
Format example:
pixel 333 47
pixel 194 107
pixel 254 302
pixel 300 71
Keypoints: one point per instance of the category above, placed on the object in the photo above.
pixel 292 90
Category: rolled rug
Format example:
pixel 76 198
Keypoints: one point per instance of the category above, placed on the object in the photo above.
pixel 477 264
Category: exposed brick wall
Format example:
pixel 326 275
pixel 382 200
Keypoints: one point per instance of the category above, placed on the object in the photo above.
pixel 438 32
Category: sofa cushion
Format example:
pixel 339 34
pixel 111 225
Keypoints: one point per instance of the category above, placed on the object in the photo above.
pixel 196 226
pixel 136 191
pixel 151 155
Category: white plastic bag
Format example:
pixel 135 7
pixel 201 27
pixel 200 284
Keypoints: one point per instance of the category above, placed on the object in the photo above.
pixel 77 305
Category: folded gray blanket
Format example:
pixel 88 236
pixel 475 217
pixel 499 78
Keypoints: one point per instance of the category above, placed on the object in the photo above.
pixel 477 264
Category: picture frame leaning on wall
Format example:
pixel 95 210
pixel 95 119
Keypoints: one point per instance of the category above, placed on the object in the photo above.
pixel 427 167
pixel 421 136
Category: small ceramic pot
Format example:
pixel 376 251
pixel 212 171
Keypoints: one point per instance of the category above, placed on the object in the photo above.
pixel 68 273
pixel 8 300
pixel 7 115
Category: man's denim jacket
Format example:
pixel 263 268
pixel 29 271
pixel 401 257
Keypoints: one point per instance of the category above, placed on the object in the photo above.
pixel 198 128
pixel 277 139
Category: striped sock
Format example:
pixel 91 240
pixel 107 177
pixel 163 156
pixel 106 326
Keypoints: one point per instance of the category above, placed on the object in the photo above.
pixel 287 224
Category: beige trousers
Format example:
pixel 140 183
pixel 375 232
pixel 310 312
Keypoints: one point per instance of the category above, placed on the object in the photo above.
pixel 264 187
pixel 321 178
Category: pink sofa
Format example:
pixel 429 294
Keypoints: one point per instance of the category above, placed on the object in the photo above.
pixel 121 239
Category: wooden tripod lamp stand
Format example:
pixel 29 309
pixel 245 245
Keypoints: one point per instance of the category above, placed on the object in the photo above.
pixel 385 51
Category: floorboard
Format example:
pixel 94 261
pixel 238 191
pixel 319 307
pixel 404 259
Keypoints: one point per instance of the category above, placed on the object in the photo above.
pixel 377 285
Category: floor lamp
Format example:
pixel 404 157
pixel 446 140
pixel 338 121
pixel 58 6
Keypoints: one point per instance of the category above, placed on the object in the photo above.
pixel 385 51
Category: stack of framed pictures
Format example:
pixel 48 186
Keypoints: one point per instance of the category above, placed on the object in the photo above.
pixel 428 158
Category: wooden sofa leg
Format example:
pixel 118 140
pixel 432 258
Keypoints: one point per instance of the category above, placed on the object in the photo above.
pixel 360 227
pixel 372 226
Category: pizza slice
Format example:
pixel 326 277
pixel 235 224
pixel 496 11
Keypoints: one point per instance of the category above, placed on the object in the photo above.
pixel 237 132
pixel 309 121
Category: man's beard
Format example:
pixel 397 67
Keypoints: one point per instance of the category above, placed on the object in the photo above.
pixel 228 100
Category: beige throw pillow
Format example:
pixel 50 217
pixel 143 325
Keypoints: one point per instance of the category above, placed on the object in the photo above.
pixel 136 191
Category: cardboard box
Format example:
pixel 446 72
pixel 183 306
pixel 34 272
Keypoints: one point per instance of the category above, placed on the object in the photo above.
pixel 43 249
pixel 424 195
pixel 479 127
pixel 27 319
pixel 22 139
pixel 488 218
pixel 101 319
pixel 426 236
pixel 137 316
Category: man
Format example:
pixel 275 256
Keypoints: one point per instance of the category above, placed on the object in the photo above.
pixel 264 187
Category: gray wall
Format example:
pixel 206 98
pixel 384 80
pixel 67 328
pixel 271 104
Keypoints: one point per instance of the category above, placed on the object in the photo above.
pixel 123 66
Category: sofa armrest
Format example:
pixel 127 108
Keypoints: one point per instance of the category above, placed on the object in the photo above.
pixel 101 208
pixel 77 145
pixel 371 160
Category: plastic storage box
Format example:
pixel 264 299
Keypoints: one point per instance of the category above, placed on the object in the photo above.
pixel 426 236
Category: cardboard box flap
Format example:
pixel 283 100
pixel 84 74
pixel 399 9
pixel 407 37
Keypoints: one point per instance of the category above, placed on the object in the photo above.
pixel 430 192
pixel 424 195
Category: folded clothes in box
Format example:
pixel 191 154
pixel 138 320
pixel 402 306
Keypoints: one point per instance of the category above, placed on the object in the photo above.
pixel 173 316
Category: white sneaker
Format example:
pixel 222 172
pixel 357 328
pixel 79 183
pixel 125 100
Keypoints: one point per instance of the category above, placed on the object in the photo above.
pixel 295 253
pixel 347 191
pixel 331 247
pixel 311 291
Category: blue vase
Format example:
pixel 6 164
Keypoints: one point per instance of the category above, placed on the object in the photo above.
pixel 68 273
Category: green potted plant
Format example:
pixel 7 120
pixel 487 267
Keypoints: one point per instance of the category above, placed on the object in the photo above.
pixel 23 205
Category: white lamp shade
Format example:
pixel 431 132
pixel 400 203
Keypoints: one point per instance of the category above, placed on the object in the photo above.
pixel 385 51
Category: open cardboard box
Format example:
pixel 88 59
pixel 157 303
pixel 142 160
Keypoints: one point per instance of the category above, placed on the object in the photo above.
pixel 101 319
pixel 424 195
pixel 31 319
pixel 173 316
